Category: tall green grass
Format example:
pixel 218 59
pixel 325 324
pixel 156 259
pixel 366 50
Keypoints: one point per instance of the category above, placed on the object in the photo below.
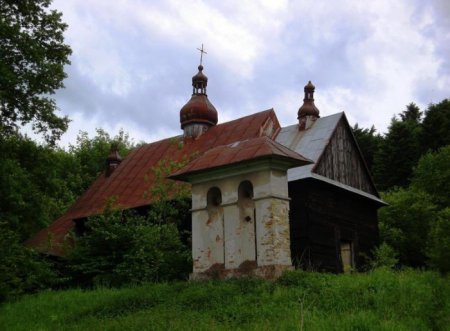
pixel 380 300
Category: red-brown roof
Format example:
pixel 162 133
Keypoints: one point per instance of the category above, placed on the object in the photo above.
pixel 239 152
pixel 134 176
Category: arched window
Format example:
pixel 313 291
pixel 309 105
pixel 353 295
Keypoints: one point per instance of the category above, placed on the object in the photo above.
pixel 213 198
pixel 245 190
pixel 247 218
pixel 245 201
pixel 213 228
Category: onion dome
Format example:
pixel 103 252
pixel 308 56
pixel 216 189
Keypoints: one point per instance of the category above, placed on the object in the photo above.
pixel 198 110
pixel 308 108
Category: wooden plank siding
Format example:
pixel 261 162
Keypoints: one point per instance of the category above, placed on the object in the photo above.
pixel 342 161
pixel 321 217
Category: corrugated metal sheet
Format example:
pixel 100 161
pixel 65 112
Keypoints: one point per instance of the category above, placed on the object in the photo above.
pixel 238 152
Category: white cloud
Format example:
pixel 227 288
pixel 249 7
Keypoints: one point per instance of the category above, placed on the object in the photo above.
pixel 133 60
pixel 80 122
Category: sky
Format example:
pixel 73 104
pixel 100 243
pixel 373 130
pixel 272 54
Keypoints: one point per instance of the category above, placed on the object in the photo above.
pixel 133 60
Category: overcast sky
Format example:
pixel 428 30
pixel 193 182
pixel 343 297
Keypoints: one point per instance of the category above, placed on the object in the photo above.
pixel 133 60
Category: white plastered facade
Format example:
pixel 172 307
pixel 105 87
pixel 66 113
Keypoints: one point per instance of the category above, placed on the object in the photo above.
pixel 241 235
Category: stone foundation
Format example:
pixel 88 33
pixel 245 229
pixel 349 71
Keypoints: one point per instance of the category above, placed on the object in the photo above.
pixel 246 269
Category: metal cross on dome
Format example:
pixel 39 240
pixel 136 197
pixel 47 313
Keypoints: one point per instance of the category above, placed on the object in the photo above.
pixel 201 54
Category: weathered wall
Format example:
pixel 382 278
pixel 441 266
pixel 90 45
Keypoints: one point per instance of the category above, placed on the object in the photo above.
pixel 342 161
pixel 242 235
pixel 322 216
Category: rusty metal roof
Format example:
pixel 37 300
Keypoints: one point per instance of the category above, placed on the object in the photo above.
pixel 240 152
pixel 133 177
pixel 226 143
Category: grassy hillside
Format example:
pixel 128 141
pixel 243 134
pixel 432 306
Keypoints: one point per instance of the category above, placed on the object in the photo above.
pixel 381 300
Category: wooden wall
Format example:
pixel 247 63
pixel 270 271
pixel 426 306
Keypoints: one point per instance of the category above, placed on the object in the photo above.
pixel 321 216
pixel 342 161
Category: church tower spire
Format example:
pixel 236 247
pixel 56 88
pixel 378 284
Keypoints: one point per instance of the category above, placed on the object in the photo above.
pixel 198 114
pixel 308 112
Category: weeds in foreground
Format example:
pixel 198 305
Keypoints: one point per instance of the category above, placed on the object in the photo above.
pixel 379 300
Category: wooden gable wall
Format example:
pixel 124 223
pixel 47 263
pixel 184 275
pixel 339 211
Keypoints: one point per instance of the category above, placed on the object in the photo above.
pixel 342 161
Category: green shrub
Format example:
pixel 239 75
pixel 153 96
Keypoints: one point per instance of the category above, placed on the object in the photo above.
pixel 384 256
pixel 122 248
pixel 21 269
pixel 438 249
pixel 405 224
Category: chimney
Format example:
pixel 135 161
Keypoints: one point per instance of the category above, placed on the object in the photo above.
pixel 308 112
pixel 113 160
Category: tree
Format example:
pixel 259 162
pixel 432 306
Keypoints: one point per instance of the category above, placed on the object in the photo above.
pixel 21 269
pixel 399 151
pixel 40 181
pixel 120 248
pixel 369 143
pixel 405 224
pixel 32 59
pixel 91 153
pixel 412 113
pixel 37 184
pixel 439 242
pixel 432 175
pixel 436 126
pixel 417 221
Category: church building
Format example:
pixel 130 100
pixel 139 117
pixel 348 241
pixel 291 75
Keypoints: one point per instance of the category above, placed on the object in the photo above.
pixel 265 198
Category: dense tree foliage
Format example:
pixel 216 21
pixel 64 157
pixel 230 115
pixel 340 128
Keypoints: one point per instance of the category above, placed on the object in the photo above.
pixel 405 224
pixel 392 157
pixel 120 248
pixel 21 269
pixel 39 182
pixel 32 59
pixel 436 126
pixel 369 143
pixel 399 150
pixel 438 250
pixel 417 221
pixel 432 175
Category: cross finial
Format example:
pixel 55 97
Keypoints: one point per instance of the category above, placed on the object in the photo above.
pixel 201 54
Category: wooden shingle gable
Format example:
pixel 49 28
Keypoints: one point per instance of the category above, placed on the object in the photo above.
pixel 342 160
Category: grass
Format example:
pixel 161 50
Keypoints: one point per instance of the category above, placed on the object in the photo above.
pixel 380 300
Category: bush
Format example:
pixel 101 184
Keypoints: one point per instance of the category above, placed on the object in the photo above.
pixel 405 224
pixel 121 248
pixel 21 269
pixel 438 249
pixel 384 256
pixel 432 175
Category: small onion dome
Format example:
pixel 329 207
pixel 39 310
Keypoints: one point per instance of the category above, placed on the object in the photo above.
pixel 308 108
pixel 113 160
pixel 114 156
pixel 310 86
pixel 199 80
pixel 198 110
